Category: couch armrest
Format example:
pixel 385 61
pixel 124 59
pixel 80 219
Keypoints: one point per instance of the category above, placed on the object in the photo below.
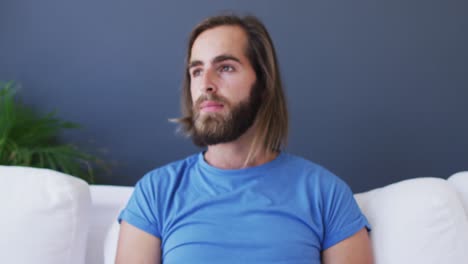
pixel 416 221
pixel 44 216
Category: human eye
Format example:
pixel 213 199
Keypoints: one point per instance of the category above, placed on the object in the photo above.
pixel 226 68
pixel 196 72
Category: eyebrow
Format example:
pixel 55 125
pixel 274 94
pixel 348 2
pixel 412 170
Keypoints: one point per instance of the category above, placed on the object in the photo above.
pixel 217 59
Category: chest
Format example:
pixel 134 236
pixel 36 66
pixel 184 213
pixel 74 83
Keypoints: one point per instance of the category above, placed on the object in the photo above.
pixel 250 225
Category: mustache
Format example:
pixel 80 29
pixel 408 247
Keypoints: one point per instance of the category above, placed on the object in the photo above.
pixel 211 97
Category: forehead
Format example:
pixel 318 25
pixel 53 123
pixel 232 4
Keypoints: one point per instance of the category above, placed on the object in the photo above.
pixel 219 40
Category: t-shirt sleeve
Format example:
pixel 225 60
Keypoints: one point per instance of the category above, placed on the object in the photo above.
pixel 141 209
pixel 341 214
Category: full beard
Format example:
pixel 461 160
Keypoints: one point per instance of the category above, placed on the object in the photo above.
pixel 216 128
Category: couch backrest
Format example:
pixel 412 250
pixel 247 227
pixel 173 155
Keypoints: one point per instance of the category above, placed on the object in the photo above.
pixel 44 216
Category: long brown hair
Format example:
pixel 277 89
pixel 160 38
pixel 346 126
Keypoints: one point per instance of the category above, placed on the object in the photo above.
pixel 272 118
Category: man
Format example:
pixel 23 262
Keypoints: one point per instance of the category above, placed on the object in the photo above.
pixel 243 200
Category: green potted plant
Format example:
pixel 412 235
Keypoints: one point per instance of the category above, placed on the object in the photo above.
pixel 30 139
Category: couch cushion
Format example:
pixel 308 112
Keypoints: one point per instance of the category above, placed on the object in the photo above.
pixel 460 182
pixel 107 202
pixel 417 221
pixel 110 245
pixel 43 216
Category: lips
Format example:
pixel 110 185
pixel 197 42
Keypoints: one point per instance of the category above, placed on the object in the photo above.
pixel 211 106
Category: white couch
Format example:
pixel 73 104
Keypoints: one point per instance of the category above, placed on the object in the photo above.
pixel 48 217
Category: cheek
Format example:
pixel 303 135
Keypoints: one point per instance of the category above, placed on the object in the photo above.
pixel 194 93
pixel 239 89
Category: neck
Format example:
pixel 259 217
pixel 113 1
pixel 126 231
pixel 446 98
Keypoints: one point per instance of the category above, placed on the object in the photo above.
pixel 232 155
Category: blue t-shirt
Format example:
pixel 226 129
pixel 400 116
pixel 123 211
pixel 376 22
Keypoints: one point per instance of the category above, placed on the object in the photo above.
pixel 285 211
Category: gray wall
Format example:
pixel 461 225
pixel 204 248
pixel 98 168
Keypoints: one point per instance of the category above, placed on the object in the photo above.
pixel 377 90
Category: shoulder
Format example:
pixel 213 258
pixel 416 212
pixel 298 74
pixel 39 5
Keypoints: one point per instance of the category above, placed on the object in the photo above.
pixel 310 169
pixel 321 181
pixel 167 174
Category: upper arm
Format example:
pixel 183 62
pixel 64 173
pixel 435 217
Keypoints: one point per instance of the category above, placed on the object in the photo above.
pixel 136 246
pixel 356 249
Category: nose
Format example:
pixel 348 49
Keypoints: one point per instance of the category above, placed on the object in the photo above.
pixel 208 84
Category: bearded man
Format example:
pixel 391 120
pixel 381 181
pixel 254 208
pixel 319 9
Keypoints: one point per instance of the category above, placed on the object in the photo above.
pixel 243 199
